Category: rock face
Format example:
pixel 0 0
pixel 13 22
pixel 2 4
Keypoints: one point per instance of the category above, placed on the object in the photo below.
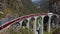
pixel 54 7
pixel 2 5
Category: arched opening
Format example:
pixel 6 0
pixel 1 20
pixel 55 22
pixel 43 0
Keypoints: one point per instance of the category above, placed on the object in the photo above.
pixel 31 23
pixel 15 25
pixel 24 22
pixel 46 19
pixel 54 20
pixel 38 24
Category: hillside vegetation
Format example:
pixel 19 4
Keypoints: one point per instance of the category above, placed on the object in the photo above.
pixel 19 7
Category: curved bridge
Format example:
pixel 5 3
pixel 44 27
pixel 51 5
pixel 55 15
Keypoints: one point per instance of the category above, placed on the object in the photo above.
pixel 20 22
